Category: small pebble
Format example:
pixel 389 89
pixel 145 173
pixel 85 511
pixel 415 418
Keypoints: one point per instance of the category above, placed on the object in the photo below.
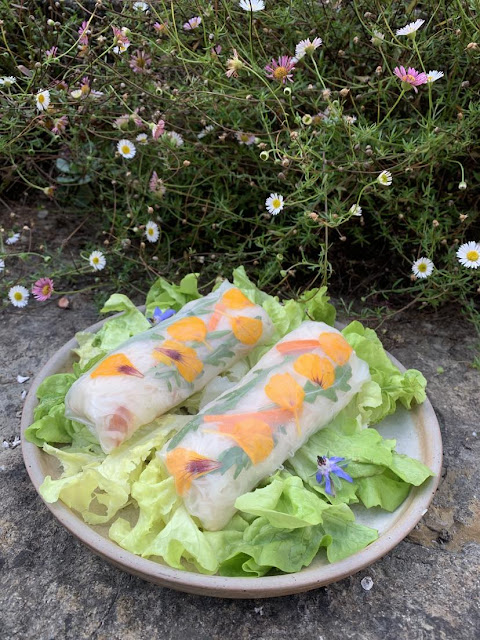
pixel 367 583
pixel 24 393
pixel 474 434
pixel 22 379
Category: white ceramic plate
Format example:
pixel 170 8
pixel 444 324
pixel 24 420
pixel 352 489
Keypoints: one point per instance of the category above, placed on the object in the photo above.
pixel 417 434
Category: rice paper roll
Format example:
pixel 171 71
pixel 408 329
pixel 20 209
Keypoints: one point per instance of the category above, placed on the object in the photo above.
pixel 160 368
pixel 247 433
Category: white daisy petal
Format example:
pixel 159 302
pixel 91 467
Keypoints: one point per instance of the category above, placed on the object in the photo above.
pixel 126 149
pixel 355 210
pixel 18 296
pixel 13 239
pixel 385 178
pixel 410 28
pixel 97 260
pixel 468 254
pixel 151 231
pixel 307 46
pixel 274 203
pixel 42 100
pixel 422 267
pixel 252 5
pixel 434 75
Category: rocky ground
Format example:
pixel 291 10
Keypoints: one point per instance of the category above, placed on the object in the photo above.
pixel 426 588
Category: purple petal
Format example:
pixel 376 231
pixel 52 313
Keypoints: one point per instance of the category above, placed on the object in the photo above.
pixel 340 473
pixel 159 315
pixel 335 459
pixel 328 485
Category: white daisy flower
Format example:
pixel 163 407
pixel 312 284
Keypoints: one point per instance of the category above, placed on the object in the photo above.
pixel 355 210
pixel 7 81
pixel 385 178
pixel 422 267
pixel 43 100
pixel 126 149
pixel 121 48
pixel 13 239
pixel 434 75
pixel 151 231
pixel 175 138
pixel 140 6
pixel 410 28
pixel 2 265
pixel 377 38
pixel 142 138
pixel 252 5
pixel 469 254
pixel 18 296
pixel 307 46
pixel 274 203
pixel 97 260
pixel 204 132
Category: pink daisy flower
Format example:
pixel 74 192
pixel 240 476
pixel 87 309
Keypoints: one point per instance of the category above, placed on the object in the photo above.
pixel 410 78
pixel 83 33
pixel 158 129
pixel 42 289
pixel 59 125
pixel 193 23
pixel 140 61
pixel 156 185
pixel 161 27
pixel 51 53
pixel 281 70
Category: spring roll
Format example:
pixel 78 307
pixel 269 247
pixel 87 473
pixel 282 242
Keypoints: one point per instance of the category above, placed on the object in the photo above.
pixel 160 368
pixel 248 432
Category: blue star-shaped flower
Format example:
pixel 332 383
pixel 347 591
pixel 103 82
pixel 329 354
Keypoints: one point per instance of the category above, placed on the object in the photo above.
pixel 327 466
pixel 159 315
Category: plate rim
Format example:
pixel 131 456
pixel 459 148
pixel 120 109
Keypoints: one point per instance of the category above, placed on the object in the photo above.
pixel 418 499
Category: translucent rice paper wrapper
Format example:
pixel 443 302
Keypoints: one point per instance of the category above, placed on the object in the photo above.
pixel 160 368
pixel 248 432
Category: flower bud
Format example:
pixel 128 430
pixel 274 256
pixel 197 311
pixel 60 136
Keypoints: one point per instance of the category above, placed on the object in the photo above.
pixel 264 156
pixel 462 185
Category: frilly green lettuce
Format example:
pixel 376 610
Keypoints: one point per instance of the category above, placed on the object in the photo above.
pixel 280 526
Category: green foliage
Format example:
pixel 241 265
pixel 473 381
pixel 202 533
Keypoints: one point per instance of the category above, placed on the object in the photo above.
pixel 320 141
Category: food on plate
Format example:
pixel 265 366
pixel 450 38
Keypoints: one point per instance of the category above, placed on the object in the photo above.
pixel 248 432
pixel 161 367
pixel 290 424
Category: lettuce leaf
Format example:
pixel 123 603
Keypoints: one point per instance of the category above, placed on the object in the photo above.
pixel 165 295
pixel 103 485
pixel 392 385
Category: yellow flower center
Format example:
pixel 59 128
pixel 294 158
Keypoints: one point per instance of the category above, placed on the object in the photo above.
pixel 96 260
pixel 125 149
pixel 473 255
pixel 280 73
pixel 408 78
pixel 309 49
pixel 422 267
pixel 46 289
pixel 276 203
pixel 244 137
pixel 41 98
pixel 18 296
pixel 150 231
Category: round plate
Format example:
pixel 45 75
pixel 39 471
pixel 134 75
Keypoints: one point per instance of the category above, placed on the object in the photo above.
pixel 417 434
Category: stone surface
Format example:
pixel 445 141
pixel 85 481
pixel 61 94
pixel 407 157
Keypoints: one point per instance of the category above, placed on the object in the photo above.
pixel 427 588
